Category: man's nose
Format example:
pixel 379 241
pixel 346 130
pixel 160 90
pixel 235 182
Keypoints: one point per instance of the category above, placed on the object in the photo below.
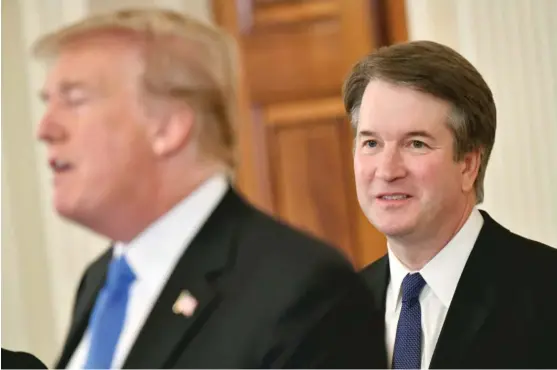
pixel 390 165
pixel 50 128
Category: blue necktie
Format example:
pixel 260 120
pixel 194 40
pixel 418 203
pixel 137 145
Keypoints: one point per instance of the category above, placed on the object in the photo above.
pixel 109 314
pixel 408 343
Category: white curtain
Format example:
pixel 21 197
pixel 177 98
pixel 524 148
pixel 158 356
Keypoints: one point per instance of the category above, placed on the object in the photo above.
pixel 513 43
pixel 43 257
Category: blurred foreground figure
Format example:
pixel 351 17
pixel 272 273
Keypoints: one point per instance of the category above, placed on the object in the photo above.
pixel 139 125
pixel 457 289
pixel 20 360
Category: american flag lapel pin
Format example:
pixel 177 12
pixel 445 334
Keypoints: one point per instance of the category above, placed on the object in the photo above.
pixel 185 304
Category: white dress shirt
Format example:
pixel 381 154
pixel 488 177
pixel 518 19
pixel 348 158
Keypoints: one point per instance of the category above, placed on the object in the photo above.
pixel 152 255
pixel 441 275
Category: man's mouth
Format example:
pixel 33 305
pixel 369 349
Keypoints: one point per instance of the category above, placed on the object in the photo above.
pixel 394 196
pixel 58 165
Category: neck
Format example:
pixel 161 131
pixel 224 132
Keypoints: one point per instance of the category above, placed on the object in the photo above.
pixel 151 202
pixel 416 251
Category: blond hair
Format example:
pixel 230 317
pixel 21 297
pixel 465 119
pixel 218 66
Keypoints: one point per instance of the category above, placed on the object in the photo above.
pixel 184 59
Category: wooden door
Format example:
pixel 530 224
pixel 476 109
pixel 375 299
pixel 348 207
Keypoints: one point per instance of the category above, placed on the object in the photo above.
pixel 296 143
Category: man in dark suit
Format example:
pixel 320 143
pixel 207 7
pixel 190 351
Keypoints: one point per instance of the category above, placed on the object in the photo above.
pixel 457 289
pixel 139 128
pixel 20 360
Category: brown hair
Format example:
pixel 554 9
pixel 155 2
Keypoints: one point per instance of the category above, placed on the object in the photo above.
pixel 185 60
pixel 438 70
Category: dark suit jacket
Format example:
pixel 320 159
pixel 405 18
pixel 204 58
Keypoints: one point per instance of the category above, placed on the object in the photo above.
pixel 20 360
pixel 504 311
pixel 268 296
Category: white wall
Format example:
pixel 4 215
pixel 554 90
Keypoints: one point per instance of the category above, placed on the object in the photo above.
pixel 43 257
pixel 513 43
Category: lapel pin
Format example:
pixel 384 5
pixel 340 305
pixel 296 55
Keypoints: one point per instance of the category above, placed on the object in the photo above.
pixel 185 304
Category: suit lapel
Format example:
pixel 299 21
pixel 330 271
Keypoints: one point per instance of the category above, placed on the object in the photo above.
pixel 377 278
pixel 87 293
pixel 197 272
pixel 473 301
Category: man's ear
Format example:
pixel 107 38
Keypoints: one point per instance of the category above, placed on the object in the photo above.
pixel 470 168
pixel 171 134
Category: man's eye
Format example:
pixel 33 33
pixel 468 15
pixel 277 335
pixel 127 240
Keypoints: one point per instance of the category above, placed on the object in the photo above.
pixel 76 98
pixel 370 143
pixel 75 102
pixel 417 144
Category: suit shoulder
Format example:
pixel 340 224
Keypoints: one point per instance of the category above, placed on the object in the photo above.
pixel 258 232
pixel 374 267
pixel 266 250
pixel 508 251
pixel 276 242
pixel 540 258
pixel 533 261
pixel 535 266
pixel 513 245
pixel 374 275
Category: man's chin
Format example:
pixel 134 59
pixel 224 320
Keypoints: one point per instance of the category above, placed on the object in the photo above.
pixel 67 212
pixel 392 226
pixel 62 208
pixel 395 231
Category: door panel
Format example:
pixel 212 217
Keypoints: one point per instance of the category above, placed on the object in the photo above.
pixel 310 189
pixel 297 163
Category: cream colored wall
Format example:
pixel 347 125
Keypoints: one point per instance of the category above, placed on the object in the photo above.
pixel 513 43
pixel 43 257
pixel 27 306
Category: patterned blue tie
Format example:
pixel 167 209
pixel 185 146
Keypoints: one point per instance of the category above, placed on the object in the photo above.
pixel 109 314
pixel 408 343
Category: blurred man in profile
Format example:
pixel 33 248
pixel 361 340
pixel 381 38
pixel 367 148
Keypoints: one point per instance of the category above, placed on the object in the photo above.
pixel 139 126
pixel 457 289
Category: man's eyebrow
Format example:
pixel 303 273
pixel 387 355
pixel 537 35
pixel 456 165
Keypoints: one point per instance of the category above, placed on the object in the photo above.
pixel 419 133
pixel 366 133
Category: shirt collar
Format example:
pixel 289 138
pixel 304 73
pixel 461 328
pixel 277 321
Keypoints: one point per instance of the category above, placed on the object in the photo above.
pixel 443 271
pixel 397 273
pixel 153 254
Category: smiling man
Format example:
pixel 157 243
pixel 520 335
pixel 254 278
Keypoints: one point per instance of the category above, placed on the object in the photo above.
pixel 457 289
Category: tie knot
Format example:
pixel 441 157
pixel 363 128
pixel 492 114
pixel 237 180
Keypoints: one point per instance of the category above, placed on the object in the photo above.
pixel 412 285
pixel 120 274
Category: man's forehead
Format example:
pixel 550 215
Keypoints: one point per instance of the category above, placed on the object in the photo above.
pixel 395 105
pixel 91 54
pixel 90 65
pixel 403 124
pixel 63 75
pixel 107 41
pixel 97 51
pixel 383 94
